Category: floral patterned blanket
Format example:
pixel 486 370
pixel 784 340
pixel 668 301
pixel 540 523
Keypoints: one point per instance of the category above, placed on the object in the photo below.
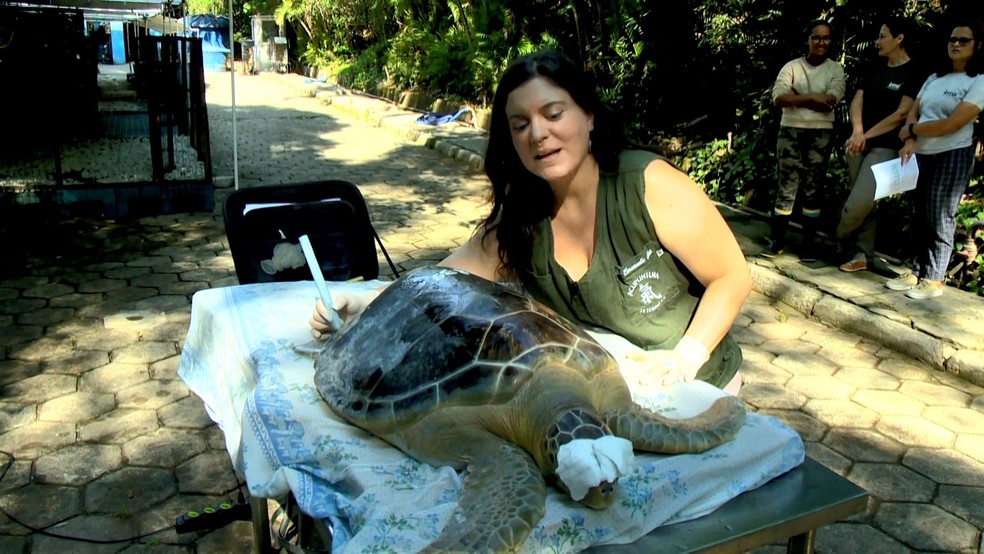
pixel 248 357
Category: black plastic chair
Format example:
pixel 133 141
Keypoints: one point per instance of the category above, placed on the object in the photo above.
pixel 332 213
pixel 335 217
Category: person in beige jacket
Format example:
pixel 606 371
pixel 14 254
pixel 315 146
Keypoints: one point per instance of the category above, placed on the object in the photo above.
pixel 807 89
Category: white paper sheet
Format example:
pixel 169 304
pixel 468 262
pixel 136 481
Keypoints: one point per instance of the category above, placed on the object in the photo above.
pixel 893 177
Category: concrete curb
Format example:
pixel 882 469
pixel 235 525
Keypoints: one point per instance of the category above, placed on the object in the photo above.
pixel 357 106
pixel 896 333
pixel 828 309
pixel 838 313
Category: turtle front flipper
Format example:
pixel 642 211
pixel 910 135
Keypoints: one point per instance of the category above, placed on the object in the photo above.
pixel 652 432
pixel 503 498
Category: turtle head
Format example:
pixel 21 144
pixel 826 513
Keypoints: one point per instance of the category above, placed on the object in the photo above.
pixel 600 496
pixel 590 468
pixel 586 459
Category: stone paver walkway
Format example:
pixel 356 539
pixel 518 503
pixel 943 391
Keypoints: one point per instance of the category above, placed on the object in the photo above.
pixel 107 443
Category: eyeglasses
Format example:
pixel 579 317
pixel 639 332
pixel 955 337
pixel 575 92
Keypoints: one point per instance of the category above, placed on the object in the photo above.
pixel 818 38
pixel 961 40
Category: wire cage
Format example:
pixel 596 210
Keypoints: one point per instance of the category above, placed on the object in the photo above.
pixel 280 54
pixel 269 44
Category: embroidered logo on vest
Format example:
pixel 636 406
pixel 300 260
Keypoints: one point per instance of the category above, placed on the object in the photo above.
pixel 638 263
pixel 643 284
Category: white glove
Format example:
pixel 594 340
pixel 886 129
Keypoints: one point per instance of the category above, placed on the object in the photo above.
pixel 665 367
pixel 349 300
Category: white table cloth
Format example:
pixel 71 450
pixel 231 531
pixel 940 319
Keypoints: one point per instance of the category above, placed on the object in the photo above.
pixel 241 357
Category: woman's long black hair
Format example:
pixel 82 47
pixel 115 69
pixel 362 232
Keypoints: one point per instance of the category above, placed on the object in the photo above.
pixel 521 200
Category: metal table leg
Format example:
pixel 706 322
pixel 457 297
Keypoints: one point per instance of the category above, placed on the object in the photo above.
pixel 261 526
pixel 802 543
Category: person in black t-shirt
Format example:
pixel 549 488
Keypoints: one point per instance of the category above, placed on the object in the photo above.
pixel 878 110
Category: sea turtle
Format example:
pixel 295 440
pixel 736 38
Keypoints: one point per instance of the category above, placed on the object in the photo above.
pixel 456 370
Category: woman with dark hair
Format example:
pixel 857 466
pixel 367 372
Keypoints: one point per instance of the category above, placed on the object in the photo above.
pixel 807 89
pixel 939 130
pixel 878 110
pixel 612 238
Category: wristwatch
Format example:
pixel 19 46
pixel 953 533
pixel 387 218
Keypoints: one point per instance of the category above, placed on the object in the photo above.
pixel 912 132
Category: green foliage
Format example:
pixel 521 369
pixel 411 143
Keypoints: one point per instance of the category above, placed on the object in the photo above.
pixel 730 169
pixel 217 7
pixel 447 62
pixel 972 209
pixel 965 268
pixel 463 60
pixel 708 164
pixel 315 57
pixel 241 12
pixel 406 56
pixel 366 71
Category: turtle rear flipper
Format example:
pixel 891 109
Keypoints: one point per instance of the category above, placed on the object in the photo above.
pixel 503 498
pixel 652 432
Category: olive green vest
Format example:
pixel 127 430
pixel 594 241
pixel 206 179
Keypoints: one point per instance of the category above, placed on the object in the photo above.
pixel 633 287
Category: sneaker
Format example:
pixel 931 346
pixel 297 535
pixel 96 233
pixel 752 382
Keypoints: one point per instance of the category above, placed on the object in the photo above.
pixel 858 263
pixel 903 282
pixel 926 289
pixel 773 250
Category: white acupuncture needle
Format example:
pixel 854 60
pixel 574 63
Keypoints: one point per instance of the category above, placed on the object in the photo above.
pixel 319 280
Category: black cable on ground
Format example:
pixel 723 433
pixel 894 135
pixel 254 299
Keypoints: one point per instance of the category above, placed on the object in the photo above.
pixel 38 531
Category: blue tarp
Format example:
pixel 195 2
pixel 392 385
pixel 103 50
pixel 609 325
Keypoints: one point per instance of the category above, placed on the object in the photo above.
pixel 209 22
pixel 214 32
pixel 214 40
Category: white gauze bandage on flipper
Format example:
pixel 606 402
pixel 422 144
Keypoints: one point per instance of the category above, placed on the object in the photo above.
pixel 586 463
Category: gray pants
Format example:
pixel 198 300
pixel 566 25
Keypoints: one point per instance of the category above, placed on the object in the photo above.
pixel 856 219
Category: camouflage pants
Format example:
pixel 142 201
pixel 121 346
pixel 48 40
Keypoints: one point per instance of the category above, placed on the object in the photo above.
pixel 802 156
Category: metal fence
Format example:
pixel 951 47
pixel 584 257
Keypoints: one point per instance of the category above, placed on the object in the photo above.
pixel 76 129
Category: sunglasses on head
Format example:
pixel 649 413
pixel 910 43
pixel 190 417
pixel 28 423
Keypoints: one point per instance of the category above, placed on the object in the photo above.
pixel 961 40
